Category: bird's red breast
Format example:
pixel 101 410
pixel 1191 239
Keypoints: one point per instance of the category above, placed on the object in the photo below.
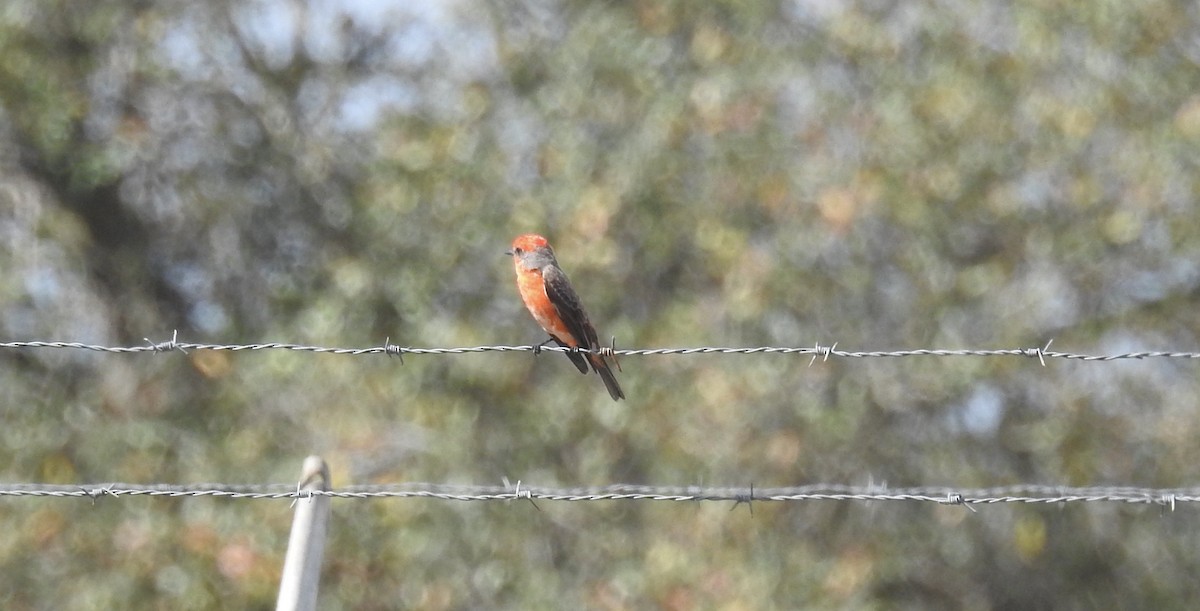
pixel 533 292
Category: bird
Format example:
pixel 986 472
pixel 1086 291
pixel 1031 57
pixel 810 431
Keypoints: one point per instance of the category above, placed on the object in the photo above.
pixel 554 304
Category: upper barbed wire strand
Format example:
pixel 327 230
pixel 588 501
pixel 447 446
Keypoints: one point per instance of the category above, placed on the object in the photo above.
pixel 388 348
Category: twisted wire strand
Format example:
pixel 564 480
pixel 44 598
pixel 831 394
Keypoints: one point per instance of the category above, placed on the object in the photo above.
pixel 1023 494
pixel 390 349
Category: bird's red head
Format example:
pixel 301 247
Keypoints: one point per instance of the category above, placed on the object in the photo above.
pixel 529 242
pixel 531 252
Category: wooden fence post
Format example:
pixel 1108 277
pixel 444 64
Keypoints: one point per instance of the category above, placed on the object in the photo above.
pixel 306 545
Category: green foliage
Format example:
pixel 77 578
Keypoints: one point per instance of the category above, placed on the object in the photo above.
pixel 880 175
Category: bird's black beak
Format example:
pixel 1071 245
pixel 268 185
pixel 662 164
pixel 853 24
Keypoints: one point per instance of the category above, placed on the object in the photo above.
pixel 508 252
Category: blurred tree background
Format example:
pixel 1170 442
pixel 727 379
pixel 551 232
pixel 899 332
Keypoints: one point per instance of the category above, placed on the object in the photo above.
pixel 883 175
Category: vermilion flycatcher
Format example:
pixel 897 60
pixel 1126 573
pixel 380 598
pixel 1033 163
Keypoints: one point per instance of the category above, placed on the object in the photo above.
pixel 548 295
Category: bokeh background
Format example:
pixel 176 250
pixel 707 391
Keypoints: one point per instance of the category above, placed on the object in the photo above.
pixel 883 175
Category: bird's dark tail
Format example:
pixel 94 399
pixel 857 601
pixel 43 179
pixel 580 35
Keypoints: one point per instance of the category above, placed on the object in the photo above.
pixel 577 358
pixel 606 374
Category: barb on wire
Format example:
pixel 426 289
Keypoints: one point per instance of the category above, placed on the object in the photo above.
pixel 747 499
pixel 388 348
pixel 1168 498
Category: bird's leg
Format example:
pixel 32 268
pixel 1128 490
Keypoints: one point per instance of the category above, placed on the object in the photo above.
pixel 538 348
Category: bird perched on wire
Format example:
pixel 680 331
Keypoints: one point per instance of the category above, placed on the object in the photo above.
pixel 555 306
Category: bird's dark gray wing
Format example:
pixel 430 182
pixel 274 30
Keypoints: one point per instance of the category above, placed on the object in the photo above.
pixel 570 309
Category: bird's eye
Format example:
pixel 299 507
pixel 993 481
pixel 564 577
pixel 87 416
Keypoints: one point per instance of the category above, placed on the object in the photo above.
pixel 518 251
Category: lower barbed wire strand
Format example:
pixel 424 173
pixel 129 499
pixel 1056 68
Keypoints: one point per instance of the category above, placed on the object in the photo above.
pixel 1025 494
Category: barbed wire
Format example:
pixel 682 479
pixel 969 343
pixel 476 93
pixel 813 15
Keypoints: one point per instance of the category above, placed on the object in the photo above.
pixel 1024 494
pixel 390 349
pixel 1021 494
